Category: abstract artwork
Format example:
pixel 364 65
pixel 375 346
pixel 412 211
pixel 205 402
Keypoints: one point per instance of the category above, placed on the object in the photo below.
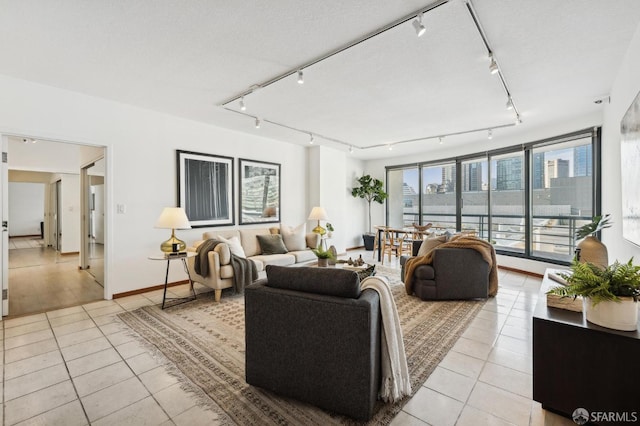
pixel 630 158
pixel 205 188
pixel 259 192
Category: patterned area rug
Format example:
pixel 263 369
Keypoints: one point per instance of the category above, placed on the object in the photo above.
pixel 205 342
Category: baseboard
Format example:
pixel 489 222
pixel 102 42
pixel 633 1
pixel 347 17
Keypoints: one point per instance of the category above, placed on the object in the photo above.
pixel 25 236
pixel 69 253
pixel 146 289
pixel 520 271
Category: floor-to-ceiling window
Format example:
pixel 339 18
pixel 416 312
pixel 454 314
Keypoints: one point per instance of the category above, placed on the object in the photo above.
pixel 439 196
pixel 527 200
pixel 474 203
pixel 562 196
pixel 507 202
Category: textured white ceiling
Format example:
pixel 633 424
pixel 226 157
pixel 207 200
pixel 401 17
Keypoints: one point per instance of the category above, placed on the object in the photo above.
pixel 186 57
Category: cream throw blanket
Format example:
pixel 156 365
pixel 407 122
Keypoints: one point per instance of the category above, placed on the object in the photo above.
pixel 396 383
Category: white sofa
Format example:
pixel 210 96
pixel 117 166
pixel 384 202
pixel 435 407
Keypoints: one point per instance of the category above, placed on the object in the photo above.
pixel 220 269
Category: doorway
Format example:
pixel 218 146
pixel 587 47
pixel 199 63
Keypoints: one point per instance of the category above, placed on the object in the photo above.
pixel 48 274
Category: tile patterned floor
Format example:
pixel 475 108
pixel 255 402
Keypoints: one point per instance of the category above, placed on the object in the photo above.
pixel 79 365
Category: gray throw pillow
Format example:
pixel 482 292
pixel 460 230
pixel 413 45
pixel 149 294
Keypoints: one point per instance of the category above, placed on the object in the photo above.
pixel 271 244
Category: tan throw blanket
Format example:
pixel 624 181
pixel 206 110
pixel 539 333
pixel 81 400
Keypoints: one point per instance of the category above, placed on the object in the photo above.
pixel 395 383
pixel 244 270
pixel 481 246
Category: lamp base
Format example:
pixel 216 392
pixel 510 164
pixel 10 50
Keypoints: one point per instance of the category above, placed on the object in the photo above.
pixel 173 245
pixel 319 230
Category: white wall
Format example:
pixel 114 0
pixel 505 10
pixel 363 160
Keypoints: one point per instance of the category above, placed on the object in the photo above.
pixel 26 208
pixel 141 167
pixel 70 211
pixel 625 89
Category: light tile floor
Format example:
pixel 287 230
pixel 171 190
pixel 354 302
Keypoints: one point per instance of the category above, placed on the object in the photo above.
pixel 80 365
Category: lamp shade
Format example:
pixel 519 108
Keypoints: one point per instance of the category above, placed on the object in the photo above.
pixel 318 213
pixel 173 218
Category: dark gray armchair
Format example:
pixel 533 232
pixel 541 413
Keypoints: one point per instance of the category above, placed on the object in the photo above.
pixel 456 273
pixel 313 335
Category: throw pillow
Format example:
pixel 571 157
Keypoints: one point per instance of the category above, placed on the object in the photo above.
pixel 294 238
pixel 271 244
pixel 234 245
pixel 431 243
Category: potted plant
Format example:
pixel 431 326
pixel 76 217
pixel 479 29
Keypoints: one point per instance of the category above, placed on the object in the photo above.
pixel 610 295
pixel 590 249
pixel 323 256
pixel 370 189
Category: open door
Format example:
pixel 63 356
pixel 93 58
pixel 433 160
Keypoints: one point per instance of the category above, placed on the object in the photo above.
pixel 92 198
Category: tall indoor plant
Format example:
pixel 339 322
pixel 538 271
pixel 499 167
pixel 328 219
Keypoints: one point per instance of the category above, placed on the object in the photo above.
pixel 610 295
pixel 370 189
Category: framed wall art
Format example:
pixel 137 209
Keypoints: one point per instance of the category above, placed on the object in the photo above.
pixel 259 192
pixel 205 188
pixel 630 158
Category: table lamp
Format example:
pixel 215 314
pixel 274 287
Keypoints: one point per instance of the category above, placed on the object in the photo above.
pixel 173 218
pixel 318 213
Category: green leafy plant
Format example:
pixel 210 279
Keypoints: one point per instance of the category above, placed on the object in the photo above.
pixel 370 189
pixel 588 280
pixel 322 253
pixel 329 227
pixel 597 224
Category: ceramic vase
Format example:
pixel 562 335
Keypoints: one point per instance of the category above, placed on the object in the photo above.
pixel 593 251
pixel 323 263
pixel 621 315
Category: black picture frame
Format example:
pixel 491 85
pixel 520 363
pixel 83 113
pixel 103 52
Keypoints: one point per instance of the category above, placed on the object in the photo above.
pixel 205 188
pixel 259 192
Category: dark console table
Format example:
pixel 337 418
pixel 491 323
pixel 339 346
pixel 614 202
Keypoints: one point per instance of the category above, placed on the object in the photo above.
pixel 577 364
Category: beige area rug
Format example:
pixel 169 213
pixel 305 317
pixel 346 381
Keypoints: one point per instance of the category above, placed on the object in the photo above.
pixel 205 342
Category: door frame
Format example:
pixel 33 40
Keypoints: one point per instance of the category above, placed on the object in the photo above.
pixel 4 207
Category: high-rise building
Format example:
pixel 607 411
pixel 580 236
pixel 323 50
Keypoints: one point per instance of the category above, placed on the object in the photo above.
pixel 509 174
pixel 556 168
pixel 472 176
pixel 582 161
pixel 538 170
pixel 448 178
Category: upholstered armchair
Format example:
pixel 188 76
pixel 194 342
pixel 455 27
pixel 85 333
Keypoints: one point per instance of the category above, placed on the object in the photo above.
pixel 313 335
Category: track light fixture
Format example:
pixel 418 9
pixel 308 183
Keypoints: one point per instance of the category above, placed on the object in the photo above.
pixel 417 25
pixel 493 65
pixel 490 134
pixel 243 107
pixel 257 123
pixel 518 120
pixel 509 104
pixel 350 149
pixel 440 140
pixel 390 147
pixel 300 77
pixel 311 138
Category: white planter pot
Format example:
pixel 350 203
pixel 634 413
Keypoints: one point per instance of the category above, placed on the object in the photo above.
pixel 621 315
